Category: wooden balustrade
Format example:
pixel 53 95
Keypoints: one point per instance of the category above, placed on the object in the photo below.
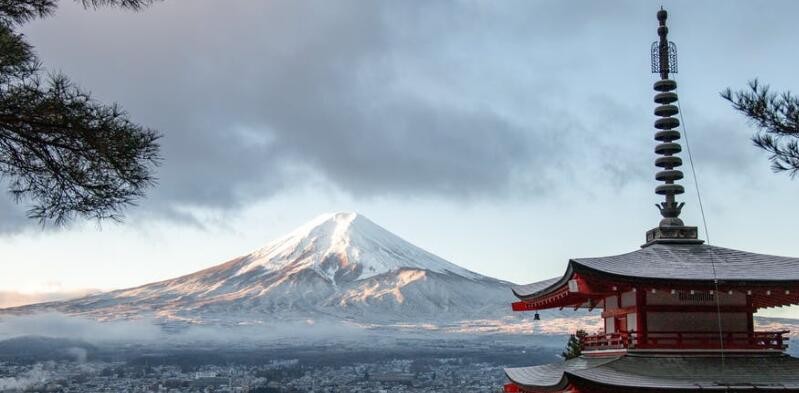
pixel 687 340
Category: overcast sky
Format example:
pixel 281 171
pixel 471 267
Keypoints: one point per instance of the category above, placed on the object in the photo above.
pixel 503 136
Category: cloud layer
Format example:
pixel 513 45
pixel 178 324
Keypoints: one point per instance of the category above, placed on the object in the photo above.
pixel 459 100
pixel 374 99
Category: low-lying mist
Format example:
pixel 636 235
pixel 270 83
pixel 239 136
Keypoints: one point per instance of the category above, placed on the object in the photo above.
pixel 144 331
pixel 306 331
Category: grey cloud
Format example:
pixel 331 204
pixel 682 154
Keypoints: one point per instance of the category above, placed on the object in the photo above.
pixel 288 91
pixel 459 99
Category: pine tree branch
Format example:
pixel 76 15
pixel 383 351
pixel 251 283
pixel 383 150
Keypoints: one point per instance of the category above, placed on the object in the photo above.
pixel 21 11
pixel 135 5
pixel 776 118
pixel 61 150
pixel 71 154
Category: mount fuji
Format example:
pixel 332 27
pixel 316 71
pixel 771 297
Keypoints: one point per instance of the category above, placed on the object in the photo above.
pixel 339 265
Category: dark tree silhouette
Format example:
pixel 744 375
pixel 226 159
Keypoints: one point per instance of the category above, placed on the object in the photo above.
pixel 574 347
pixel 66 153
pixel 776 117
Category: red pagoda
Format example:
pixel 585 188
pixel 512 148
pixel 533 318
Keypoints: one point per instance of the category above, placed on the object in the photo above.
pixel 678 313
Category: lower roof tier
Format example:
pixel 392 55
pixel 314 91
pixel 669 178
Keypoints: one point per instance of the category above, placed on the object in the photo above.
pixel 680 373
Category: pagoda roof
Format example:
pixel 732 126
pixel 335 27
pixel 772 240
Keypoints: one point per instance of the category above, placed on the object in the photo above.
pixel 658 372
pixel 685 262
pixel 552 376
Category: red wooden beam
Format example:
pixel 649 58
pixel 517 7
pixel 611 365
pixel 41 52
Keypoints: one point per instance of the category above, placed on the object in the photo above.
pixel 522 306
pixel 698 308
pixel 617 312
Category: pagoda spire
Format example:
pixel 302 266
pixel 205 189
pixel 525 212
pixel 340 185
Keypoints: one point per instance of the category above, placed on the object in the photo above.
pixel 664 62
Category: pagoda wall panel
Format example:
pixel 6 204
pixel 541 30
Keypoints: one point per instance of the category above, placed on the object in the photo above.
pixel 695 322
pixel 611 302
pixel 663 298
pixel 632 322
pixel 610 325
pixel 628 299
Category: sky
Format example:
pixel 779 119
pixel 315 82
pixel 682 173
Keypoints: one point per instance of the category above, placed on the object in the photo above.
pixel 506 137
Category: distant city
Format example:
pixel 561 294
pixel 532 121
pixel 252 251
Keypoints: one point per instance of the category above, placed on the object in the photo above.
pixel 437 375
pixel 434 366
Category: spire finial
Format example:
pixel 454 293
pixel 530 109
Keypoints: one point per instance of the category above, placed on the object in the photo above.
pixel 664 52
pixel 664 62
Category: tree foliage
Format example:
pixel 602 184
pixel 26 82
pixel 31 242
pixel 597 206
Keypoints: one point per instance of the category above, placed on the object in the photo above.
pixel 66 153
pixel 574 347
pixel 776 117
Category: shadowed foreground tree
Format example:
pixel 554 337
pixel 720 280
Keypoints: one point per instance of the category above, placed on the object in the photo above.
pixel 574 347
pixel 776 117
pixel 64 152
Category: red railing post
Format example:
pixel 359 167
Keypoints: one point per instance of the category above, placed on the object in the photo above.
pixel 687 340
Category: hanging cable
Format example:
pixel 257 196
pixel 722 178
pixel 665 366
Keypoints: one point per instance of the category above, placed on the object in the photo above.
pixel 707 234
pixel 664 62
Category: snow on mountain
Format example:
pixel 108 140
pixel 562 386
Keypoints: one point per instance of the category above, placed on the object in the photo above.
pixel 339 265
pixel 347 246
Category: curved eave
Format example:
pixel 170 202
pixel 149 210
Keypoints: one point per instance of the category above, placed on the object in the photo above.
pixel 555 293
pixel 663 373
pixel 552 377
pixel 694 266
pixel 681 373
pixel 556 285
pixel 697 263
pixel 575 266
pixel 518 377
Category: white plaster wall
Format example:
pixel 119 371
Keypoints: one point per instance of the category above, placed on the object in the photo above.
pixel 611 302
pixel 632 322
pixel 628 299
pixel 610 325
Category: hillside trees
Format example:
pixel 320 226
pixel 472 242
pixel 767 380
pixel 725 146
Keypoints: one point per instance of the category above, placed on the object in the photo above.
pixel 574 347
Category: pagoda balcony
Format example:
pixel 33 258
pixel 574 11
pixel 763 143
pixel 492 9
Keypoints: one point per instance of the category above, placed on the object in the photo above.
pixel 686 341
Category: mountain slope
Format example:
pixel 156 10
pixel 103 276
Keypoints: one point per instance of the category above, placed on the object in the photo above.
pixel 338 265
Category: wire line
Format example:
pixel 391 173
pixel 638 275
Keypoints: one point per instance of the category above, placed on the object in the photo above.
pixel 707 233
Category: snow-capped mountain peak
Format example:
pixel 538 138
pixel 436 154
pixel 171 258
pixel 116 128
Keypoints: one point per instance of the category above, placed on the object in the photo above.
pixel 339 265
pixel 348 246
